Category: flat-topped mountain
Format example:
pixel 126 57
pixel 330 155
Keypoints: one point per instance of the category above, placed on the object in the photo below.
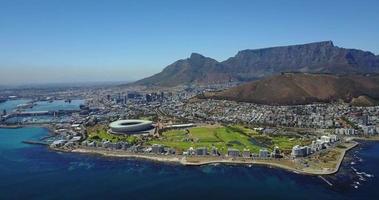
pixel 319 57
pixel 298 88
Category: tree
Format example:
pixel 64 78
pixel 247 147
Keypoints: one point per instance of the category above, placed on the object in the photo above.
pixel 96 137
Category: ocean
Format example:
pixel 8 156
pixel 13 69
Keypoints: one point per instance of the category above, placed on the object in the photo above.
pixel 35 172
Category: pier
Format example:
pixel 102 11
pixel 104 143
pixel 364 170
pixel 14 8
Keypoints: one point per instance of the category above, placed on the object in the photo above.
pixel 35 142
pixel 326 181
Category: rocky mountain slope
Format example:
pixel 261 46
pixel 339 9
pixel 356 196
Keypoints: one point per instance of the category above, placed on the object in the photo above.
pixel 319 57
pixel 299 88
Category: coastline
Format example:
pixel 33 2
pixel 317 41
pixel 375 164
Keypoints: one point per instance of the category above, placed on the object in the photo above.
pixel 12 126
pixel 206 160
pixel 371 138
pixel 286 164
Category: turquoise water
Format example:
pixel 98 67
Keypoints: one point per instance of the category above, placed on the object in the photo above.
pixel 57 105
pixel 34 172
pixel 12 104
pixel 10 139
pixel 39 119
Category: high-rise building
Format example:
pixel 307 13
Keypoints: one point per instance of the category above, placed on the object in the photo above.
pixel 246 153
pixel 201 151
pixel 157 149
pixel 233 152
pixel 149 98
pixel 214 152
pixel 276 152
pixel 263 153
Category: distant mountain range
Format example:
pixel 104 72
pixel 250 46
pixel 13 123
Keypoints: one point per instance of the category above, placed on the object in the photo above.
pixel 299 88
pixel 247 65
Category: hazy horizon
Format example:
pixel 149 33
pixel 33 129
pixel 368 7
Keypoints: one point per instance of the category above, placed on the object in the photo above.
pixel 50 41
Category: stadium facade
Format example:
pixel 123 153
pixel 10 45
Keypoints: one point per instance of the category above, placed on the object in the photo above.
pixel 130 126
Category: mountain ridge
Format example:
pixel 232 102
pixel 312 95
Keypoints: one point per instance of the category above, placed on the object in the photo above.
pixel 253 64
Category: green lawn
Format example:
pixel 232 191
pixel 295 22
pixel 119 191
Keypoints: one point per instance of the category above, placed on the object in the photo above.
pixel 149 118
pixel 223 137
pixel 286 143
pixel 100 133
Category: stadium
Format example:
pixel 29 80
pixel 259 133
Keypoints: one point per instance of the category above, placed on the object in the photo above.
pixel 130 126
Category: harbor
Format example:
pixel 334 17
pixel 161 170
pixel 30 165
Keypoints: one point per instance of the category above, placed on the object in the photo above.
pixel 28 112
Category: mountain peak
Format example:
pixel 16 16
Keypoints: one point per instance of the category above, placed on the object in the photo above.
pixel 196 56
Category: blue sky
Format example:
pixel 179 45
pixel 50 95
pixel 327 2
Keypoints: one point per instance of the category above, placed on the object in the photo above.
pixel 103 40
